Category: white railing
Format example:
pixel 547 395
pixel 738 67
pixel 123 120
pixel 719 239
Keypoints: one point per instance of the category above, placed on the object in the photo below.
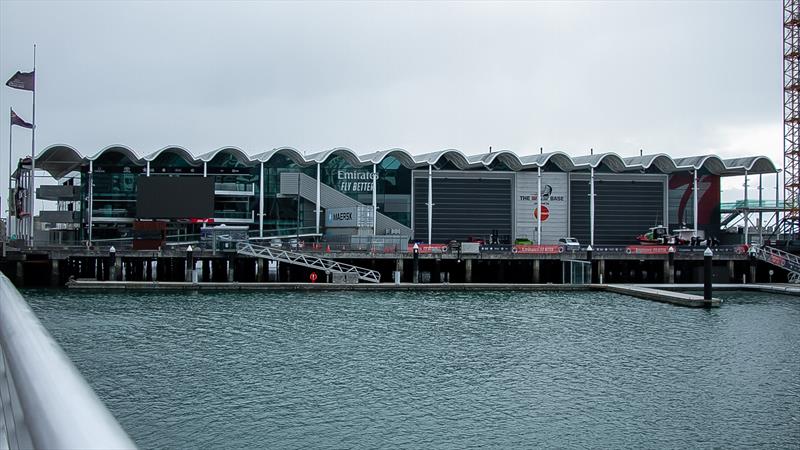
pixel 46 403
pixel 300 259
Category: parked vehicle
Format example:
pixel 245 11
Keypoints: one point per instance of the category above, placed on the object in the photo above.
pixel 570 243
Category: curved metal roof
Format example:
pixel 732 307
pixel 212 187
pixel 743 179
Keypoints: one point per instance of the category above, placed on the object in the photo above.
pixel 236 152
pixel 60 159
pixel 181 152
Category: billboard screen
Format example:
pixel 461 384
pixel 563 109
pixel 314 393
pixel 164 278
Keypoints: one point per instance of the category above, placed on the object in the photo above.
pixel 162 197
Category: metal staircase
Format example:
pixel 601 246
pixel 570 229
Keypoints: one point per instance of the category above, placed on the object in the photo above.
pixel 779 258
pixel 300 259
pixel 332 198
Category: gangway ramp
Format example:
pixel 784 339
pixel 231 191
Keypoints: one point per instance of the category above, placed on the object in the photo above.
pixel 779 258
pixel 302 259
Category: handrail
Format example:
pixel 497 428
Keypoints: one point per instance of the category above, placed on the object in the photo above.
pixel 56 408
pixel 301 259
pixel 779 258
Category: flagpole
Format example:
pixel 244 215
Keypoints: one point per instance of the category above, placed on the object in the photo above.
pixel 8 203
pixel 32 191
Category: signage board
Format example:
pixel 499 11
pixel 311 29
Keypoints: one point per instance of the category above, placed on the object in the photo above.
pixel 351 217
pixel 554 211
pixel 354 180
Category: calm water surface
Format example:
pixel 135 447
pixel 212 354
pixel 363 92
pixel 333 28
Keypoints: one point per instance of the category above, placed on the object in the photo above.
pixel 446 370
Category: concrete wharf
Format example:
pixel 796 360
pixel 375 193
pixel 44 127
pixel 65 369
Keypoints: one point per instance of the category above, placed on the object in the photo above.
pixel 54 266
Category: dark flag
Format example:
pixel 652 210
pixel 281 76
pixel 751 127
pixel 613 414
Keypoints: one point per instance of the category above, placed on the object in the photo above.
pixel 17 120
pixel 22 80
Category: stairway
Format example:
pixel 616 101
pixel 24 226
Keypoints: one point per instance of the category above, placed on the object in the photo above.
pixel 331 198
pixel 301 259
pixel 779 258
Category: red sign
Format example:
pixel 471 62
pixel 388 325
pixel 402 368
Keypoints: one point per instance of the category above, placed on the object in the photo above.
pixel 429 248
pixel 647 249
pixel 201 220
pixel 313 277
pixel 545 213
pixel 539 249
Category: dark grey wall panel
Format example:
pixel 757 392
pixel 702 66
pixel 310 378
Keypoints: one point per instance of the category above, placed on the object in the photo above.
pixel 463 207
pixel 623 209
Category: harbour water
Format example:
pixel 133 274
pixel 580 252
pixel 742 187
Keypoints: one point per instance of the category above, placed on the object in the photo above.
pixel 431 369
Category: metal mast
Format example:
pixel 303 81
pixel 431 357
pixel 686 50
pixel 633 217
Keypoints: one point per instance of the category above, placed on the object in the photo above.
pixel 791 115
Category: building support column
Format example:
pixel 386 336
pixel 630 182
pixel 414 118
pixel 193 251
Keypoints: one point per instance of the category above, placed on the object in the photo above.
pixel 205 169
pixel 91 192
pixel 149 269
pixel 374 199
pixel 398 266
pixel 746 212
pixel 261 203
pixel 231 269
pixel 537 265
pixel 118 268
pixel 539 205
pixel 694 202
pixel 760 214
pixel 671 261
pixel 731 271
pixel 667 267
pixel 260 270
pixel 591 207
pixel 318 209
pixel 55 273
pixel 601 271
pixel 20 274
pixel 206 268
pixel 468 271
pixel 147 170
pixel 430 202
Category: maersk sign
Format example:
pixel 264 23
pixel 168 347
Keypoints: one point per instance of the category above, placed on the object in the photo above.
pixel 554 206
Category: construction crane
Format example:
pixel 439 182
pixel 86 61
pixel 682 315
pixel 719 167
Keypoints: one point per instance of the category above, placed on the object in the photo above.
pixel 791 116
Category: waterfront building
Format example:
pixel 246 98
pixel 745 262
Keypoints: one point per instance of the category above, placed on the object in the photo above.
pixel 602 198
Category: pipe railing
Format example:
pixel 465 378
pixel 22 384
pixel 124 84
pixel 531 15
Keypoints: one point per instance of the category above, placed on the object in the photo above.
pixel 46 403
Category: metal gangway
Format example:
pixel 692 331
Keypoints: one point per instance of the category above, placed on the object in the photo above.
pixel 778 258
pixel 301 259
pixel 44 400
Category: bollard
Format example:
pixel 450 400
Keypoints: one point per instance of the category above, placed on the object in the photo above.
pixel 707 255
pixel 112 269
pixel 189 274
pixel 415 276
pixel 752 252
pixel 589 251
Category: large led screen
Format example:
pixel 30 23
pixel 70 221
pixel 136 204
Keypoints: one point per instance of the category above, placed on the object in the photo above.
pixel 162 197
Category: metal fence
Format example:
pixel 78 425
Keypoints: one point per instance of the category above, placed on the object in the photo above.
pixel 45 402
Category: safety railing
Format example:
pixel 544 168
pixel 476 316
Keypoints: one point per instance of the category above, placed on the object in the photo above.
pixel 305 260
pixel 46 403
pixel 779 258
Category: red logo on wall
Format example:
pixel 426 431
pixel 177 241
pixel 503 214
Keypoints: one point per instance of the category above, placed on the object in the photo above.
pixel 545 213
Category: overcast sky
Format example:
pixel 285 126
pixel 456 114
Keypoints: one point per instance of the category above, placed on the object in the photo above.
pixel 683 78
